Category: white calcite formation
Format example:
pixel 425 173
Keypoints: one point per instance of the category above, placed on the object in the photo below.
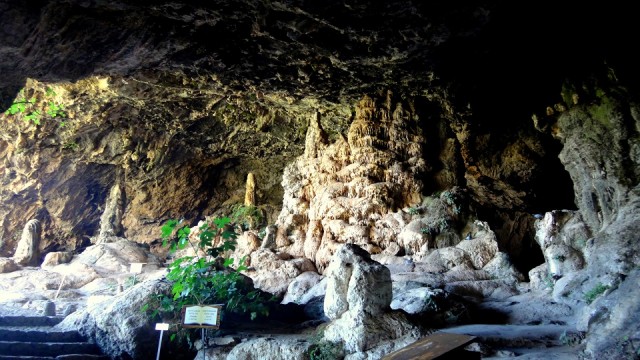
pixel 344 192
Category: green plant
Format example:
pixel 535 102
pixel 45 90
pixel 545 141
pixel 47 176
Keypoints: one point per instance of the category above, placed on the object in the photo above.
pixel 321 349
pixel 71 145
pixel 130 281
pixel 246 216
pixel 27 107
pixel 427 230
pixel 262 233
pixel 443 225
pixel 209 278
pixel 592 294
pixel 413 211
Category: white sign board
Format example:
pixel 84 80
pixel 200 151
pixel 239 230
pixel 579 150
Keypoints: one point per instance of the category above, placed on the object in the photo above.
pixel 162 326
pixel 206 316
pixel 136 268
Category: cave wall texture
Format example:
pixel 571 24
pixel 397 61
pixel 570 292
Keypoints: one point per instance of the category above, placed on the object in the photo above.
pixel 347 113
pixel 525 108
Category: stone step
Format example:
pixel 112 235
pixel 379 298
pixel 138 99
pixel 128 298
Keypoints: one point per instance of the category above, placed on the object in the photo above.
pixel 44 349
pixel 28 321
pixel 61 357
pixel 41 336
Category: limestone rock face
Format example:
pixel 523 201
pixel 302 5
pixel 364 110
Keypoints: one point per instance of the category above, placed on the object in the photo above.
pixel 337 192
pixel 613 322
pixel 280 349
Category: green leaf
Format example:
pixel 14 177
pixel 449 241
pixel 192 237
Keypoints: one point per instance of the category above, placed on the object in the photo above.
pixel 228 262
pixel 221 222
pixel 206 237
pixel 49 92
pixel 228 235
pixel 168 227
pixel 172 337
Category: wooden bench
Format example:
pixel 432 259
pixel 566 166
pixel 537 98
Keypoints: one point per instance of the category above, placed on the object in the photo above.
pixel 440 346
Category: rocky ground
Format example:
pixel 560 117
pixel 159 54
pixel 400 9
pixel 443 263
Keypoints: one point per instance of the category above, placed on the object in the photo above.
pixel 509 317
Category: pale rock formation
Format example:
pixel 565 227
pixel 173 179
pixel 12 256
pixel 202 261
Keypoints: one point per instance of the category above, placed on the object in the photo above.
pixel 501 267
pixel 8 265
pixel 57 258
pixel 27 252
pixel 356 283
pixel 272 274
pixel 539 278
pixel 448 258
pixel 612 321
pixel 246 243
pixel 482 248
pixel 111 219
pixel 250 191
pixel 357 301
pixel 290 347
pixel 281 349
pixel 417 300
pixel 300 286
pixel 337 193
pixel 116 257
pixel 269 240
pixel 562 236
pixel 118 326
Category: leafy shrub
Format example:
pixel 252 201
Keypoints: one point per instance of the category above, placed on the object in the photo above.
pixel 209 279
pixel 246 216
pixel 27 107
pixel 321 349
pixel 592 294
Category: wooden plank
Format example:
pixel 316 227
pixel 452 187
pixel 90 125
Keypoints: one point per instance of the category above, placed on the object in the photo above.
pixel 436 346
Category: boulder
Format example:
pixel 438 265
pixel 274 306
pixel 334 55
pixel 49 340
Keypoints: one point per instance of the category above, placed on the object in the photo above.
pixel 613 322
pixel 8 265
pixel 272 274
pixel 301 286
pixel 57 258
pixel 118 325
pixel 501 267
pixel 449 258
pixel 273 348
pixel 358 298
pixel 356 283
pixel 481 249
pixel 418 300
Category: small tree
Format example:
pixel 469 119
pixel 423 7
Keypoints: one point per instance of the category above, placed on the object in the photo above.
pixel 207 277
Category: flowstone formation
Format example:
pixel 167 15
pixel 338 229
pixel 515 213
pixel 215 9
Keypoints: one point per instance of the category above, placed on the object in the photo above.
pixel 343 192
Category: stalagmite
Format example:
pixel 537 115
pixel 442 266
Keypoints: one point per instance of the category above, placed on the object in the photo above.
pixel 27 251
pixel 111 219
pixel 250 192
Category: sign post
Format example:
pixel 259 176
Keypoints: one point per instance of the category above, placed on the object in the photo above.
pixel 136 268
pixel 162 327
pixel 202 316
